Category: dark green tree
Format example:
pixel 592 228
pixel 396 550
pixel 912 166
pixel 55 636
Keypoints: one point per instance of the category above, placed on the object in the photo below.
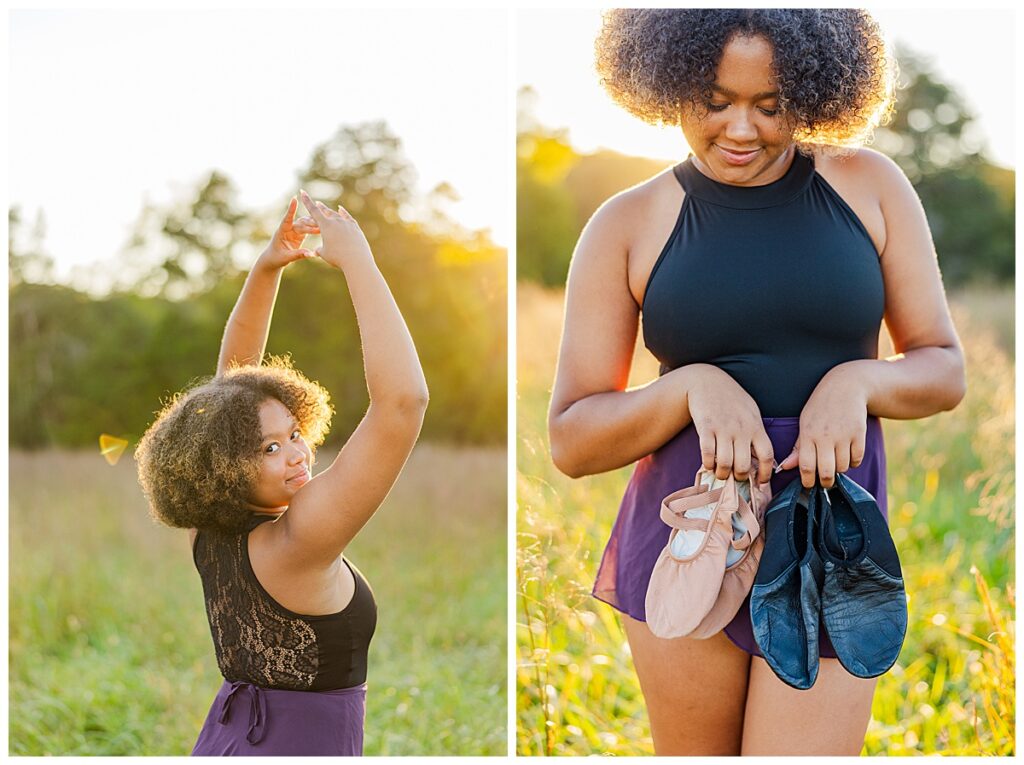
pixel 935 139
pixel 27 259
pixel 546 213
pixel 932 128
pixel 189 246
pixel 82 366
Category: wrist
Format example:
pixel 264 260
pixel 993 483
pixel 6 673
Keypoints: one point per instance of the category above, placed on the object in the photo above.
pixel 265 263
pixel 690 377
pixel 355 262
pixel 859 375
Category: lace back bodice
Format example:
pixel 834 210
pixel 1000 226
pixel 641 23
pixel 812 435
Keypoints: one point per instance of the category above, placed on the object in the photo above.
pixel 257 640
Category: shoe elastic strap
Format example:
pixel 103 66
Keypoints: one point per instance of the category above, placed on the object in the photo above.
pixel 673 516
pixel 700 496
pixel 703 524
pixel 750 521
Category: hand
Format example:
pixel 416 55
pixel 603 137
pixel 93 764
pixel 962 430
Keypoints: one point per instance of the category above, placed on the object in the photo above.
pixel 286 245
pixel 344 242
pixel 833 429
pixel 729 426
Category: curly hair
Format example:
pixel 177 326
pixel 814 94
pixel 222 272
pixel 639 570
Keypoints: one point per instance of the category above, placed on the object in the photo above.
pixel 835 78
pixel 200 458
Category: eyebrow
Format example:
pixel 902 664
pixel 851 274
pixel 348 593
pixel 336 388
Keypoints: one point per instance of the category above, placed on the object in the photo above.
pixel 273 436
pixel 757 96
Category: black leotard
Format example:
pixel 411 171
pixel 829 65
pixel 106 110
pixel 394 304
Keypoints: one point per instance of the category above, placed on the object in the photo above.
pixel 773 284
pixel 259 641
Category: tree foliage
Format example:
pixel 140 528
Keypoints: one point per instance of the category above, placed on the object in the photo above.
pixel 82 366
pixel 935 139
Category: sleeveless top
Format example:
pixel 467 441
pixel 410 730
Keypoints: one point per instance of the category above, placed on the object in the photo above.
pixel 259 641
pixel 772 284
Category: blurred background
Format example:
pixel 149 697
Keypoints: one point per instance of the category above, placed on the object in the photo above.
pixel 152 155
pixel 951 477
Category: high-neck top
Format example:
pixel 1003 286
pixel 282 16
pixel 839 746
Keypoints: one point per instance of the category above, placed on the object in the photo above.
pixel 259 641
pixel 773 284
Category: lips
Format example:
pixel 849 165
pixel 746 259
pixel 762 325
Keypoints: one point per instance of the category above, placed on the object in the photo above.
pixel 737 157
pixel 300 477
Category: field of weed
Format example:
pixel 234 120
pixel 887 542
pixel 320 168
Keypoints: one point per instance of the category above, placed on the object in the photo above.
pixel 110 651
pixel 951 500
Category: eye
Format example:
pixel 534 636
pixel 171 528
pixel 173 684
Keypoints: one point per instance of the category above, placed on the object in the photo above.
pixel 295 434
pixel 271 448
pixel 769 112
pixel 715 107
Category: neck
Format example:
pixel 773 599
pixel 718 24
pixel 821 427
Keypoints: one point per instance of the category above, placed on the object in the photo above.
pixel 274 511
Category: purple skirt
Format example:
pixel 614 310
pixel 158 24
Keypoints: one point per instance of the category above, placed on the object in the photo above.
pixel 639 534
pixel 246 719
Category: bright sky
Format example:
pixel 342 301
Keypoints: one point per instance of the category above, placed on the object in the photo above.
pixel 971 50
pixel 109 108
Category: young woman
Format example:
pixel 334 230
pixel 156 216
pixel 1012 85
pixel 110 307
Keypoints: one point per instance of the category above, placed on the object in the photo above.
pixel 762 266
pixel 231 460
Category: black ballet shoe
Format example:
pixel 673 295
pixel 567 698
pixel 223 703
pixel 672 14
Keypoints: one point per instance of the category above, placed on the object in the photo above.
pixel 785 601
pixel 863 600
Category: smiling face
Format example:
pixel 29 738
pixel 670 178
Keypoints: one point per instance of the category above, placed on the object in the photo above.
pixel 739 137
pixel 285 456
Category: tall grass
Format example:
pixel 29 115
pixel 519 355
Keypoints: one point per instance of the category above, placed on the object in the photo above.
pixel 951 498
pixel 110 651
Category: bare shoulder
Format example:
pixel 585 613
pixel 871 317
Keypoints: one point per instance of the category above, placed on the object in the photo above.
pixel 865 167
pixel 300 582
pixel 631 228
pixel 274 557
pixel 634 205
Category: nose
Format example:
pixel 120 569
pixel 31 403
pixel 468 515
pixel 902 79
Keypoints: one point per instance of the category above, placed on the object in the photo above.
pixel 740 129
pixel 298 455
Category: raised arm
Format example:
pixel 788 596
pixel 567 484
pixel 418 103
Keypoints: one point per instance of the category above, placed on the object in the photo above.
pixel 245 336
pixel 330 509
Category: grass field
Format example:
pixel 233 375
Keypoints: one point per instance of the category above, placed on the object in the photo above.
pixel 951 499
pixel 110 651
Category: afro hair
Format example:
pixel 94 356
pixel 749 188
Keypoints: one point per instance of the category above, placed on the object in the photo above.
pixel 835 78
pixel 200 458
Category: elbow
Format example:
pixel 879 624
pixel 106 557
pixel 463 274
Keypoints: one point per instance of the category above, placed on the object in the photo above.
pixel 413 404
pixel 404 412
pixel 562 454
pixel 957 387
pixel 410 401
pixel 565 465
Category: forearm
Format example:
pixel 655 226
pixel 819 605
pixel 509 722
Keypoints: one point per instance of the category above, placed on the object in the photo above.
pixel 605 431
pixel 910 385
pixel 394 375
pixel 245 336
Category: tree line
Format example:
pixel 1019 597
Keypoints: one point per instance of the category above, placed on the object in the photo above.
pixel 82 365
pixel 933 137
